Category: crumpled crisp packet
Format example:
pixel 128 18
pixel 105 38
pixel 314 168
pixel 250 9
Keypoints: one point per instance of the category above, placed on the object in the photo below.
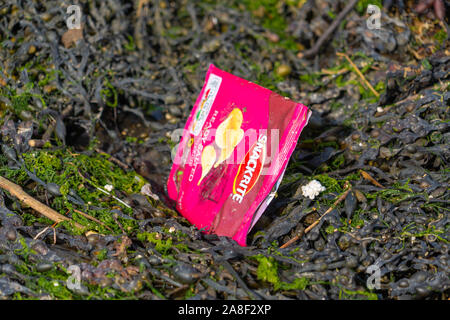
pixel 233 153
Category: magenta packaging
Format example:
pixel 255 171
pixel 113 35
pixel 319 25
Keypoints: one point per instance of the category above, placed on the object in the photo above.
pixel 233 153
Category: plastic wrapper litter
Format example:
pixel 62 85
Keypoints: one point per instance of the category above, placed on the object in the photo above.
pixel 233 153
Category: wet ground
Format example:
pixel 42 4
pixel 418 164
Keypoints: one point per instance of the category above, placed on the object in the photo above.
pixel 86 123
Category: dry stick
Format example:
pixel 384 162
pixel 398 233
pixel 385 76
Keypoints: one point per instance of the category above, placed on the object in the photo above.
pixel 140 5
pixel 324 37
pixel 370 178
pixel 113 159
pixel 359 73
pixel 54 235
pixel 119 224
pixel 339 200
pixel 41 232
pixel 334 73
pixel 18 192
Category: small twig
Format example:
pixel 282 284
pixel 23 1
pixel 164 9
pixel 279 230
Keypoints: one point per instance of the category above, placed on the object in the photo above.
pixel 324 37
pixel 93 219
pixel 334 73
pixel 119 224
pixel 53 226
pixel 25 198
pixel 114 159
pixel 140 5
pixel 370 178
pixel 40 233
pixel 54 236
pixel 340 54
pixel 315 223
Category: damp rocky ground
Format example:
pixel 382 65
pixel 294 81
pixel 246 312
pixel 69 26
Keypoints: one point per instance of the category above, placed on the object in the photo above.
pixel 86 123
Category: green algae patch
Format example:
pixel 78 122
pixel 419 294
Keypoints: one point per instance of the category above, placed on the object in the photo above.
pixel 345 294
pixel 163 244
pixel 269 15
pixel 82 176
pixel 361 6
pixel 268 271
pixel 331 184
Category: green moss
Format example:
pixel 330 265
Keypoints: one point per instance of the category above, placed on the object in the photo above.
pixel 291 176
pixel 20 101
pixel 430 231
pixel 163 246
pixel 358 295
pixel 338 161
pixel 268 271
pixel 189 292
pixel 54 283
pixel 331 14
pixel 331 184
pixel 85 174
pixel 438 208
pixel 398 192
pixel 380 87
pixel 440 36
pixel 268 80
pixel 109 92
pixel 361 6
pixel 297 284
pixel 174 32
pixel 274 249
pixel 102 254
pixel 366 64
pixel 55 288
pixel 311 78
pixel 49 76
pixel 131 139
pixel 269 13
pixel 192 68
pixel 25 251
pixel 51 282
pixel 426 64
pixel 131 45
pixel 329 229
pixel 336 105
pixel 357 221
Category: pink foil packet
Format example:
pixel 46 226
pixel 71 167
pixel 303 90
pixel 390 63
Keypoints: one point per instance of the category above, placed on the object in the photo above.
pixel 233 153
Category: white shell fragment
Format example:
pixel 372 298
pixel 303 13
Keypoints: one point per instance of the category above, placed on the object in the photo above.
pixel 108 187
pixel 312 189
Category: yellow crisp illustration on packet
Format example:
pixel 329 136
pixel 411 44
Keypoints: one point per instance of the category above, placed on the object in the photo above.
pixel 208 159
pixel 229 134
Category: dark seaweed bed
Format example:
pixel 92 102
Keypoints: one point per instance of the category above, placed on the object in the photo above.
pixel 81 112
